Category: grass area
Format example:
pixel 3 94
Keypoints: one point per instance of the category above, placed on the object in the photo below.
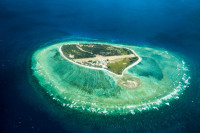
pixel 118 66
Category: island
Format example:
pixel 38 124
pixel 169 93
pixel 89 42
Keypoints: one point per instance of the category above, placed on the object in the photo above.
pixel 100 56
pixel 107 78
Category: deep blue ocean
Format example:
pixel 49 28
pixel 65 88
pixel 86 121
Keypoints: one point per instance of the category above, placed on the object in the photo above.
pixel 26 26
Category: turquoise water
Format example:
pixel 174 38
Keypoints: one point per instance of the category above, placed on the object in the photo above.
pixel 163 76
pixel 163 25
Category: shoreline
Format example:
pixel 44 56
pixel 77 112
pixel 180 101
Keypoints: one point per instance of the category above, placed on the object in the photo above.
pixel 149 103
pixel 135 63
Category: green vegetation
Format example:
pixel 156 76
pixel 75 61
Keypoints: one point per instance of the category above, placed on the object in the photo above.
pixel 118 66
pixel 74 51
pixel 80 51
pixel 105 50
pixel 90 50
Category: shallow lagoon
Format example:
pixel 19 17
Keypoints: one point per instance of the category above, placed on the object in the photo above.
pixel 27 26
pixel 162 75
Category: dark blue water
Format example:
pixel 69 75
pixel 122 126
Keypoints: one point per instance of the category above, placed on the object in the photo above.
pixel 28 25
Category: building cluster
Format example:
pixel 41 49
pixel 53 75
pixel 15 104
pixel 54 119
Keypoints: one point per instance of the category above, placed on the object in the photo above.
pixel 102 63
pixel 98 63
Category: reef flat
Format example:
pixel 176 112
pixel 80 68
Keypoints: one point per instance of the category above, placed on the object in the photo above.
pixel 158 78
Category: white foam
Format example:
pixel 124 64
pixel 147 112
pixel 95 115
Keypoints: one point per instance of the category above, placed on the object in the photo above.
pixel 167 104
pixel 82 102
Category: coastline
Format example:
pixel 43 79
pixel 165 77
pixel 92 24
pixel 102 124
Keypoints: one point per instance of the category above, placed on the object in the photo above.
pixel 143 101
pixel 135 63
